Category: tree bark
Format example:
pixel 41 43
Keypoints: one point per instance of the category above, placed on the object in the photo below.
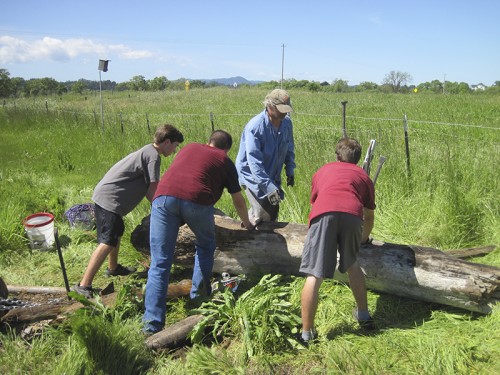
pixel 417 272
pixel 174 335
pixel 50 310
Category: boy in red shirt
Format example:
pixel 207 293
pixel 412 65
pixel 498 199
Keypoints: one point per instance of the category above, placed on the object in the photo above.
pixel 341 219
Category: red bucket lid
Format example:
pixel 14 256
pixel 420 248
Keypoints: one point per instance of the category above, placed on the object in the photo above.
pixel 48 216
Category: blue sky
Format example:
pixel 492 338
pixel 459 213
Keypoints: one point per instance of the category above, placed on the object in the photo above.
pixel 355 41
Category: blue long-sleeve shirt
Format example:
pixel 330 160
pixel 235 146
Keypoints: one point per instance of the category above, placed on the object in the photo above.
pixel 262 154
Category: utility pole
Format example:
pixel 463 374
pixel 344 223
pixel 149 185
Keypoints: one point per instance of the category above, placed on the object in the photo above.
pixel 282 63
pixel 103 66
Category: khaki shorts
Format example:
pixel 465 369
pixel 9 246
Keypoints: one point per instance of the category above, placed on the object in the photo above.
pixel 328 235
pixel 260 209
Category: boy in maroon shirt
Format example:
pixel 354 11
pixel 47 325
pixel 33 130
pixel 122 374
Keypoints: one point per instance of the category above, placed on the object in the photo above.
pixel 187 193
pixel 341 219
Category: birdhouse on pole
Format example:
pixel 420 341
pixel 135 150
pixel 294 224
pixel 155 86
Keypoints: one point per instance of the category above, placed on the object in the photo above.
pixel 103 65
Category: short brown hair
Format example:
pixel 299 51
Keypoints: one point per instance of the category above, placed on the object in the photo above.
pixel 348 150
pixel 168 131
pixel 221 139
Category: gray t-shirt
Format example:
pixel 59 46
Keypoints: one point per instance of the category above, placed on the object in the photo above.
pixel 124 186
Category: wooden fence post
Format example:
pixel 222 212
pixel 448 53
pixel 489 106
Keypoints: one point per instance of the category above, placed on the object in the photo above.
pixel 405 123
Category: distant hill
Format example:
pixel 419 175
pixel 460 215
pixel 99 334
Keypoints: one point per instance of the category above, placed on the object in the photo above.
pixel 230 81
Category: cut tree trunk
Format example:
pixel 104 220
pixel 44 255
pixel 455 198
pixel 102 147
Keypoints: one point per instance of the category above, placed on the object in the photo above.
pixel 174 335
pixel 417 272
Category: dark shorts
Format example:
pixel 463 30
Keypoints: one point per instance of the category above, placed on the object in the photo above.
pixel 328 235
pixel 110 226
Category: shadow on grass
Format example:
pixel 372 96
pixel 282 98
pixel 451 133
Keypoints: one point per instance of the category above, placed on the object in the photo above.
pixel 398 312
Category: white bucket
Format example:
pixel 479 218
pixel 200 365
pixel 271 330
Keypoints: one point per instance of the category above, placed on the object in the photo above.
pixel 40 230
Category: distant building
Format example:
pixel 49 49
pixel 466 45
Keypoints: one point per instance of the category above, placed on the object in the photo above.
pixel 478 87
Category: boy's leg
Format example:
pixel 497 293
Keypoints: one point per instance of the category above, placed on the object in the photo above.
pixel 96 260
pixel 164 228
pixel 309 301
pixel 358 286
pixel 113 256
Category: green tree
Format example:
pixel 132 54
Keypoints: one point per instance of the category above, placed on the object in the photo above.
pixel 367 86
pixel 138 83
pixel 79 87
pixel 5 83
pixel 18 85
pixel 158 83
pixel 338 85
pixel 314 86
pixel 397 79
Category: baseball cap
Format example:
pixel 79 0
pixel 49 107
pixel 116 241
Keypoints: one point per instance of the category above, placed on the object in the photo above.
pixel 281 99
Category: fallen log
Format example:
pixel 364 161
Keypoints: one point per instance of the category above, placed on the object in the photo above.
pixel 417 272
pixel 52 310
pixel 36 289
pixel 174 335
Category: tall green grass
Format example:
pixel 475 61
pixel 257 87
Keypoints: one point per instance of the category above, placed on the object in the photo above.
pixel 54 151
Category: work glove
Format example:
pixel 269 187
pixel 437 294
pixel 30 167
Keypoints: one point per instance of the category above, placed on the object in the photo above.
pixel 274 197
pixel 290 180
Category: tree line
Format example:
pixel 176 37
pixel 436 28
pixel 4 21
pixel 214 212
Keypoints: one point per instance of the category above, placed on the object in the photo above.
pixel 393 82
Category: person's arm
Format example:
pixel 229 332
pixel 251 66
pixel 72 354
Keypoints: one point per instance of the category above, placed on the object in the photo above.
pixel 290 156
pixel 151 190
pixel 242 210
pixel 368 222
pixel 254 142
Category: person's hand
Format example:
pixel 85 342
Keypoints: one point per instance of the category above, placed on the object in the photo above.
pixel 274 197
pixel 290 180
pixel 250 227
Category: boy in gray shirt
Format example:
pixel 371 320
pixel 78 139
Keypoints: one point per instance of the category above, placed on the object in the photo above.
pixel 121 189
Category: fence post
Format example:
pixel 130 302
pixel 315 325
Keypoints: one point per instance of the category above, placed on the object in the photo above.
pixel 47 107
pixel 121 121
pixel 147 120
pixel 212 120
pixel 344 130
pixel 405 123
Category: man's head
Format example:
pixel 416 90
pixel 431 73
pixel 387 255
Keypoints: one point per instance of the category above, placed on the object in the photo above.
pixel 167 138
pixel 279 99
pixel 348 150
pixel 221 139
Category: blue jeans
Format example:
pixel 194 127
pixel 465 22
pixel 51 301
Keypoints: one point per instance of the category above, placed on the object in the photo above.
pixel 167 215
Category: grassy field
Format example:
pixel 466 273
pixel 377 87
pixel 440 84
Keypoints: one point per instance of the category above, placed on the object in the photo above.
pixel 54 151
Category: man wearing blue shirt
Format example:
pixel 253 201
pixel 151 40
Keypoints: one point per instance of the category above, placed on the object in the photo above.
pixel 266 146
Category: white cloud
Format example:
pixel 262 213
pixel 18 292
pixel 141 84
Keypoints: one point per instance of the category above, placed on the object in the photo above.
pixel 14 50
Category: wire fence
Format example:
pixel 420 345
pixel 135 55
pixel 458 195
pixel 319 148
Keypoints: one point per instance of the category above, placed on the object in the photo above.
pixel 316 128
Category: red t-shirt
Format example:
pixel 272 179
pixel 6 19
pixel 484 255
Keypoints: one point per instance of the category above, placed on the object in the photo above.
pixel 199 173
pixel 341 187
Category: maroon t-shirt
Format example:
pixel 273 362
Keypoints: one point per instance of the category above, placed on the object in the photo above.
pixel 341 187
pixel 199 173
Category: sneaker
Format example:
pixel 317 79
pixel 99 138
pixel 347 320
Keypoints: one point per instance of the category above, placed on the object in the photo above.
pixel 313 338
pixel 119 271
pixel 86 291
pixel 367 324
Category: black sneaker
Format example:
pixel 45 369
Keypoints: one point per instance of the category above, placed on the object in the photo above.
pixel 86 291
pixel 368 324
pixel 119 271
